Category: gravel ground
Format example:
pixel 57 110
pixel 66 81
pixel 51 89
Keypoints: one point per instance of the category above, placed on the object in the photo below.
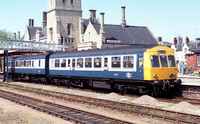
pixel 144 100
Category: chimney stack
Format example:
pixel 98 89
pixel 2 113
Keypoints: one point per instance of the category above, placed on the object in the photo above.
pixel 102 23
pixel 175 41
pixel 19 35
pixel 44 23
pixel 123 17
pixel 31 22
pixel 160 39
pixel 15 36
pixel 102 31
pixel 186 40
pixel 93 16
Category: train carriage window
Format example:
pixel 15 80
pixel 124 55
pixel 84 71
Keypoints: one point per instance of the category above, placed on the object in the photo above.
pixel 9 64
pixel 32 63
pixel 73 63
pixel 97 62
pixel 29 63
pixel 88 62
pixel 52 63
pixel 69 63
pixel 57 63
pixel 128 62
pixel 105 62
pixel 171 61
pixel 39 63
pixel 63 63
pixel 13 64
pixel 163 60
pixel 16 64
pixel 24 63
pixel 116 62
pixel 155 61
pixel 80 63
pixel 140 61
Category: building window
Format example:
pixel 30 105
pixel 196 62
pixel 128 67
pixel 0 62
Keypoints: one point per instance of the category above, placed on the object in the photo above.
pixel 51 34
pixel 63 1
pixel 198 60
pixel 69 28
pixel 72 2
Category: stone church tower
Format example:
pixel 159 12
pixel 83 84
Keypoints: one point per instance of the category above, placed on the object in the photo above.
pixel 63 22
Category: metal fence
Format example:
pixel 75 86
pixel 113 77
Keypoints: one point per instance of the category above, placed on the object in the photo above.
pixel 28 45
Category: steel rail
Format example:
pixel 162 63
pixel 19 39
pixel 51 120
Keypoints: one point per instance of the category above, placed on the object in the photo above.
pixel 133 109
pixel 64 112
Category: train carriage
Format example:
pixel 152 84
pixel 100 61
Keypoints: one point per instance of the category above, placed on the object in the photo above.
pixel 148 69
pixel 32 67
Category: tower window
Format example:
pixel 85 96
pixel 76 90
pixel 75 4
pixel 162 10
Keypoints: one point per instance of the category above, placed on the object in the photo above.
pixel 51 34
pixel 63 1
pixel 72 2
pixel 69 27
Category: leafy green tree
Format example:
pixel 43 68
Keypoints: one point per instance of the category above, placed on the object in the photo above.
pixel 6 35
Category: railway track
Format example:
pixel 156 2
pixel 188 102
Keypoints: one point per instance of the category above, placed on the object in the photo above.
pixel 132 109
pixel 64 112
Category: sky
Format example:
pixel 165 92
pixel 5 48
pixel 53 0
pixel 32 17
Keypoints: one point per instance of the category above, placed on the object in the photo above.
pixel 164 18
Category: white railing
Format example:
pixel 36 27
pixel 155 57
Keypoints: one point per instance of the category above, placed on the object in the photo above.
pixel 28 45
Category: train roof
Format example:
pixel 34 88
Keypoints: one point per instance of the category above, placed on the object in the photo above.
pixel 41 56
pixel 106 51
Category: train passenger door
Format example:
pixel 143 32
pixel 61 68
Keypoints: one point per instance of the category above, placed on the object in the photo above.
pixel 105 66
pixel 13 65
pixel 47 64
pixel 140 75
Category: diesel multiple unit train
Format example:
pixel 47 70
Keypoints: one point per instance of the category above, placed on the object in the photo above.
pixel 146 69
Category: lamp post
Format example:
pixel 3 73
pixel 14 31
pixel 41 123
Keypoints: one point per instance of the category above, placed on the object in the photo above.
pixel 196 34
pixel 63 40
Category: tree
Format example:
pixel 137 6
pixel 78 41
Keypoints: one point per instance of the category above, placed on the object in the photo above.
pixel 5 35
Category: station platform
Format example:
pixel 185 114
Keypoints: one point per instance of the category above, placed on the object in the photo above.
pixel 188 76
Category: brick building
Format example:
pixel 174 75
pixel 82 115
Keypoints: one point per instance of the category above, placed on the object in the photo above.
pixel 193 61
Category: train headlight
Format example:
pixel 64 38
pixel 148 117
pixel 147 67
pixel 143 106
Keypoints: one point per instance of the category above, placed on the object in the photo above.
pixel 172 75
pixel 155 76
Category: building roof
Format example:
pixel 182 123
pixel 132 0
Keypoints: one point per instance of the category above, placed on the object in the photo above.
pixel 166 43
pixel 125 35
pixel 32 32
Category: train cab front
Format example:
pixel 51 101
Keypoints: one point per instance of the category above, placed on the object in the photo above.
pixel 160 70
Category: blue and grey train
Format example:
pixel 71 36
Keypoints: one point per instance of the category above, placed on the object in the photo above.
pixel 147 69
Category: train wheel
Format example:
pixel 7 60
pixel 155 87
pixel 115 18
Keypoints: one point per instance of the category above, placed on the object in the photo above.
pixel 155 91
pixel 68 84
pixel 123 90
